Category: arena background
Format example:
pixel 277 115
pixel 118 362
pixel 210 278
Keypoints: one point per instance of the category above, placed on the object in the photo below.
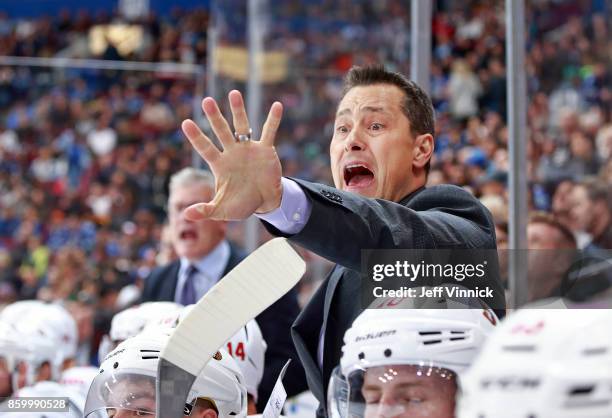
pixel 90 128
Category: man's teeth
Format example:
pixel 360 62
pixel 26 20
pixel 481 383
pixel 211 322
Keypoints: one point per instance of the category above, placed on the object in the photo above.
pixel 350 166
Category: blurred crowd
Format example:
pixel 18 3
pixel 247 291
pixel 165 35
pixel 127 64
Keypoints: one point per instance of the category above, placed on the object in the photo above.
pixel 86 155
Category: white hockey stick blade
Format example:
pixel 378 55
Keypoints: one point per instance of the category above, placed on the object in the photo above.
pixel 253 285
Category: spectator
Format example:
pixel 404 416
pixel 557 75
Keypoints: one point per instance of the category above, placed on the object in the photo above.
pixel 548 258
pixel 591 214
pixel 464 89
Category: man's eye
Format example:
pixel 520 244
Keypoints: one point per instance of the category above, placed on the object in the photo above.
pixel 342 129
pixel 140 413
pixel 413 400
pixel 376 126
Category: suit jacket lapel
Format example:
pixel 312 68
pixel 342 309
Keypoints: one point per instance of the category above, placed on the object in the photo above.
pixel 336 274
pixel 168 286
pixel 305 333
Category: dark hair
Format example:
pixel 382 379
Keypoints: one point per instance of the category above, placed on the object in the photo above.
pixel 417 105
pixel 596 189
pixel 551 220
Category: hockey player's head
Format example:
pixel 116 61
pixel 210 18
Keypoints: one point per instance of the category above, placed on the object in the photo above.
pixel 44 341
pixel 247 347
pixel 407 362
pixel 51 324
pixel 543 363
pixel 125 386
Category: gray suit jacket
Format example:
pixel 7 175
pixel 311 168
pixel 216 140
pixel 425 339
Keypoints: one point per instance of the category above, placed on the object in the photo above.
pixel 341 224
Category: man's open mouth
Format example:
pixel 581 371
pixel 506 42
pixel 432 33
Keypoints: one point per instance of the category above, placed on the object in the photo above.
pixel 357 175
pixel 188 234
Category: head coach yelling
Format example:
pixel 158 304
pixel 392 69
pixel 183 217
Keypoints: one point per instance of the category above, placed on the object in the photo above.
pixel 380 152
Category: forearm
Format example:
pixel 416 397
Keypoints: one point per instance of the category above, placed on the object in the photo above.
pixel 341 224
pixel 339 234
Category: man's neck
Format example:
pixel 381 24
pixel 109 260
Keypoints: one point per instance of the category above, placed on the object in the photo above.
pixel 411 194
pixel 201 256
pixel 213 263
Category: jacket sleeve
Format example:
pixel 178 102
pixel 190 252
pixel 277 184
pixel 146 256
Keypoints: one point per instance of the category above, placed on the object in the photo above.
pixel 341 224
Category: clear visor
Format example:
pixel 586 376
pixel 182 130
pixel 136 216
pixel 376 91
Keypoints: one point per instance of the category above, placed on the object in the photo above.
pixel 121 395
pixel 337 395
pixel 396 391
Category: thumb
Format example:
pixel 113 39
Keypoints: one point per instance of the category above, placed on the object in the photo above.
pixel 199 211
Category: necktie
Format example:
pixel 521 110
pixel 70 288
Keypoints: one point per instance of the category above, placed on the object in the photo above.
pixel 188 295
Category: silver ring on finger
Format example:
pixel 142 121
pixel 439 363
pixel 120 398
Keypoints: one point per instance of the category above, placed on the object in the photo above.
pixel 243 137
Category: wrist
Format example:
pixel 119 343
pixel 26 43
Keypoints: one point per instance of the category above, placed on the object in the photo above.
pixel 271 202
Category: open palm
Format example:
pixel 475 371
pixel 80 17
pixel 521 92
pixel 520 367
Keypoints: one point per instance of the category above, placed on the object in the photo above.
pixel 247 174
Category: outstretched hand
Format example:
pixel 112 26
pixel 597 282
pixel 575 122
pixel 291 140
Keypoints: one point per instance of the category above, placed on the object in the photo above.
pixel 248 173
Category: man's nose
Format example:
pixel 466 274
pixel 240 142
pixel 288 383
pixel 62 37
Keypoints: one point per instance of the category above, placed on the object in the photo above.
pixel 389 408
pixel 354 142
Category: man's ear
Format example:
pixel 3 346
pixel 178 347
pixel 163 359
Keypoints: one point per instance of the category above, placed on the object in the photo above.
pixel 422 150
pixel 209 413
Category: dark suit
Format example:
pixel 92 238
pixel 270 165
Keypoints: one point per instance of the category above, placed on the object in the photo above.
pixel 275 323
pixel 341 224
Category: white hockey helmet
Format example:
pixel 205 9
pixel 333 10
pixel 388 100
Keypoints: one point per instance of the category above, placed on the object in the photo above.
pixel 36 350
pixel 130 322
pixel 48 334
pixel 169 319
pixel 543 363
pixel 444 338
pixel 386 347
pixel 13 313
pixel 28 351
pixel 248 348
pixel 54 322
pixel 127 380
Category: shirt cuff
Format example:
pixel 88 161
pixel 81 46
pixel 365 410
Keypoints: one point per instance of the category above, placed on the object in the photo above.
pixel 293 213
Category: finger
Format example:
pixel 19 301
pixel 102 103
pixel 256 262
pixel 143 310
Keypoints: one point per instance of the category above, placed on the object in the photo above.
pixel 217 122
pixel 199 211
pixel 240 118
pixel 268 133
pixel 202 144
